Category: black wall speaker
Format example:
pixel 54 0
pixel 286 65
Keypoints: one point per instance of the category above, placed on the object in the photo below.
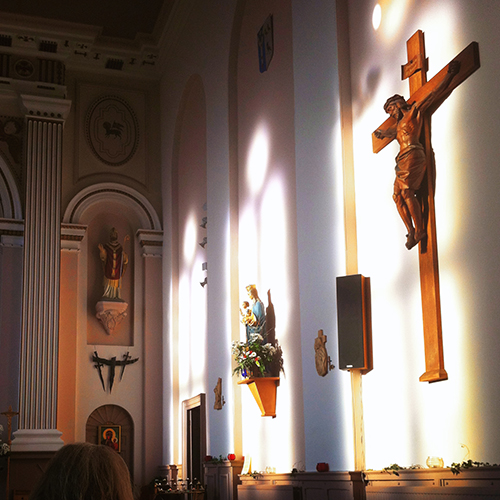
pixel 354 323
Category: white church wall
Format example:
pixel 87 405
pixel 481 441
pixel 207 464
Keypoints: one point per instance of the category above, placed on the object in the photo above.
pixel 190 197
pixel 407 420
pixel 320 220
pixel 268 226
pixel 274 265
pixel 431 419
pixel 193 56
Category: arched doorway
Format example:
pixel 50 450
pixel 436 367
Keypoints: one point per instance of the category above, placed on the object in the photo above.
pixel 113 415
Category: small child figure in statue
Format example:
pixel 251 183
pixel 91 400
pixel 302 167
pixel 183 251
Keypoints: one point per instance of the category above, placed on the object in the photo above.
pixel 247 317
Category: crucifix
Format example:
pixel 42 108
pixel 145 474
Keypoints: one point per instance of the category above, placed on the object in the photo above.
pixel 410 125
pixel 9 414
pixel 112 363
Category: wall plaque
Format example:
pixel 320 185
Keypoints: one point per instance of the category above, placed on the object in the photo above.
pixel 112 130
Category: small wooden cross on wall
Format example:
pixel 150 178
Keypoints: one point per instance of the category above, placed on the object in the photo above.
pixel 414 194
pixel 9 414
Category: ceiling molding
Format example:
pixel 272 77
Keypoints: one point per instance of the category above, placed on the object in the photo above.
pixel 82 47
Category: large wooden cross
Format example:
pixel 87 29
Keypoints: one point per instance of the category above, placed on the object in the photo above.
pixel 416 70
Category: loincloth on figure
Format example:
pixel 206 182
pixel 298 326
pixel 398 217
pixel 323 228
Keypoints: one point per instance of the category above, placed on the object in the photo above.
pixel 410 168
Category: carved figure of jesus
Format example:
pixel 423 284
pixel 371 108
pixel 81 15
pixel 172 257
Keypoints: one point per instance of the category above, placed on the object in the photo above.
pixel 411 161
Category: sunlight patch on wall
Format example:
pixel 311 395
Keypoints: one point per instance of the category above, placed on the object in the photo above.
pixel 431 416
pixel 190 243
pixel 442 43
pixel 198 340
pixel 391 16
pixel 338 226
pixel 258 159
pixel 380 232
pixel 248 248
pixel 184 338
pixel 264 261
pixel 227 378
pixel 449 189
pixel 273 254
pixel 448 398
pixel 340 264
pixel 192 333
pixel 376 16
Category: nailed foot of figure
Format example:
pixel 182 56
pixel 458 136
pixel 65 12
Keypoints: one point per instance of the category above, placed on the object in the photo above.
pixel 413 238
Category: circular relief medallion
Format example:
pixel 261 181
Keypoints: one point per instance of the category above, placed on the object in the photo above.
pixel 24 68
pixel 112 130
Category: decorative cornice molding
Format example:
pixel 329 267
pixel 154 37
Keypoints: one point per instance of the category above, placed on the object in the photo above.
pixel 120 193
pixel 151 243
pixel 50 108
pixel 11 233
pixel 82 47
pixel 72 236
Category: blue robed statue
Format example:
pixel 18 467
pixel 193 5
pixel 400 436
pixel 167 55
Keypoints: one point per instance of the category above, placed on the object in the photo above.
pixel 254 317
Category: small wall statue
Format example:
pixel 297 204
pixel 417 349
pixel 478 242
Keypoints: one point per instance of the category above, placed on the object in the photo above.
pixel 219 398
pixel 321 358
pixel 114 263
pixel 254 317
pixel 111 309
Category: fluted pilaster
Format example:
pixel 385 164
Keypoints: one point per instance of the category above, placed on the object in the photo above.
pixel 42 237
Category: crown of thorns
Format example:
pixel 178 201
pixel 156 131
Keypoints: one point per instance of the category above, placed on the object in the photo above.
pixel 392 100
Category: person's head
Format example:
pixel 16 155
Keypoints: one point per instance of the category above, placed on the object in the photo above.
pixel 84 471
pixel 245 304
pixel 252 292
pixel 113 235
pixel 394 104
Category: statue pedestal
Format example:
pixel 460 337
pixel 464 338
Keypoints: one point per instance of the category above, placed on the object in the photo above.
pixel 111 313
pixel 264 391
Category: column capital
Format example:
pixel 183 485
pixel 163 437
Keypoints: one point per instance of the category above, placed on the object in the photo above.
pixel 151 242
pixel 72 236
pixel 11 233
pixel 45 107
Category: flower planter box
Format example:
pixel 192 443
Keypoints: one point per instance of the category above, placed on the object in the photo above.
pixel 264 391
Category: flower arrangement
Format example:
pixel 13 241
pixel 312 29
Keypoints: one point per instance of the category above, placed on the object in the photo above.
pixel 4 447
pixel 254 358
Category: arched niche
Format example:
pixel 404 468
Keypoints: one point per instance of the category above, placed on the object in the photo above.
pixel 189 232
pixel 100 208
pixel 10 201
pixel 113 415
pixel 96 197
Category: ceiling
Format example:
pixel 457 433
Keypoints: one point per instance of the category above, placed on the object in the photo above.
pixel 122 19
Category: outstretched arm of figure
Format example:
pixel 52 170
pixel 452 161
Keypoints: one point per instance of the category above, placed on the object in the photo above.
pixel 390 133
pixel 453 69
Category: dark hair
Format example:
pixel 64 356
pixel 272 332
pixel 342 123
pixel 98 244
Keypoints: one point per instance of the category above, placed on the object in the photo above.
pixel 84 471
pixel 393 99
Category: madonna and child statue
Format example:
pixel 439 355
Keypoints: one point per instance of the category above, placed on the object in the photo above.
pixel 259 360
pixel 253 316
